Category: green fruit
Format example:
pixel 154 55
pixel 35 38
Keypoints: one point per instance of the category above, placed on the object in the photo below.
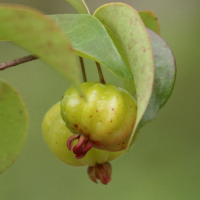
pixel 106 118
pixel 56 135
pixel 48 119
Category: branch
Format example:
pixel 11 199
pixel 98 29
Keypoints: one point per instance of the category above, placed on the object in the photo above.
pixel 17 61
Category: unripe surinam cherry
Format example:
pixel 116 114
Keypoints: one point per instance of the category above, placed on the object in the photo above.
pixel 104 119
pixel 56 135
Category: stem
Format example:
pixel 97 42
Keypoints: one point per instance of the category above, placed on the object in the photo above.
pixel 101 78
pixel 17 61
pixel 83 69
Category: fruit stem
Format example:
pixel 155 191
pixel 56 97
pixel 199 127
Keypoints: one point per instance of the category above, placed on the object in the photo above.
pixel 83 69
pixel 101 78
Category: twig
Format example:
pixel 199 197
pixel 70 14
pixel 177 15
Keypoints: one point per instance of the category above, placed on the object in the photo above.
pixel 83 69
pixel 17 61
pixel 102 80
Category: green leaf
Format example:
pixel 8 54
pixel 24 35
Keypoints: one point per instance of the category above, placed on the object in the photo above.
pixel 150 20
pixel 165 70
pixel 79 5
pixel 165 74
pixel 128 85
pixel 90 39
pixel 13 125
pixel 127 25
pixel 40 35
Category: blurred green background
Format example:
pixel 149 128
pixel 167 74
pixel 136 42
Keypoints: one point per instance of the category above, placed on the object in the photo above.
pixel 164 163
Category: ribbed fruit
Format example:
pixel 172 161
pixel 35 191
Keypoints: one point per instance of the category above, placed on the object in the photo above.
pixel 106 118
pixel 56 135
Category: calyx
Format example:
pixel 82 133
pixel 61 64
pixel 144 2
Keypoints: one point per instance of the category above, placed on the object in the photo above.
pixel 101 172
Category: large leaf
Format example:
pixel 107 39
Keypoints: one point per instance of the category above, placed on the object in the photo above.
pixel 150 20
pixel 128 85
pixel 165 74
pixel 13 125
pixel 127 25
pixel 80 6
pixel 40 35
pixel 90 39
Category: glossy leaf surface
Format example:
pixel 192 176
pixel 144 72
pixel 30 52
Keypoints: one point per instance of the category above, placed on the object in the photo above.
pixel 90 39
pixel 127 25
pixel 13 125
pixel 79 5
pixel 150 20
pixel 40 35
pixel 165 74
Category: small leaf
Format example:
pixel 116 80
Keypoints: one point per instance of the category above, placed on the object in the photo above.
pixel 150 20
pixel 90 39
pixel 165 74
pixel 127 25
pixel 13 125
pixel 79 5
pixel 40 35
